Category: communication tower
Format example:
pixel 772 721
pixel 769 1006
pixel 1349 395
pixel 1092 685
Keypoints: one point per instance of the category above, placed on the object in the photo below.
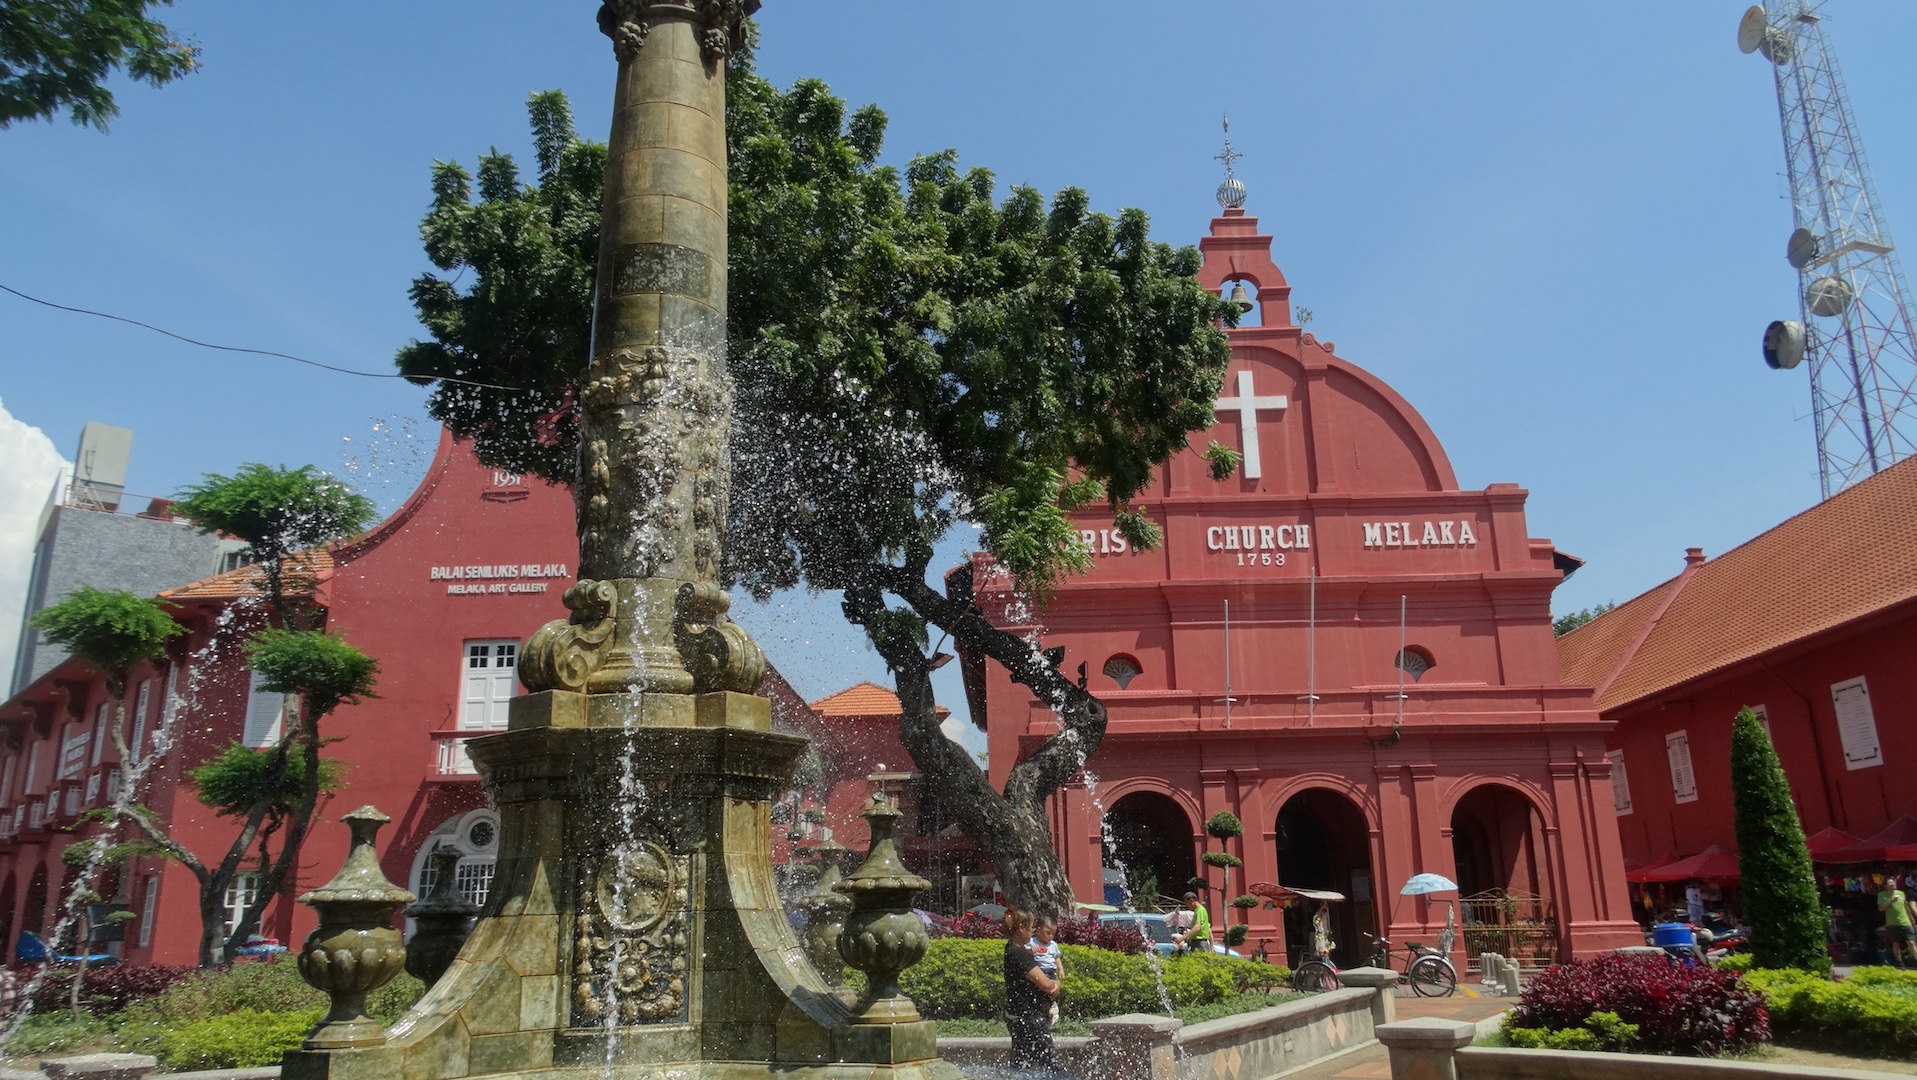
pixel 1855 324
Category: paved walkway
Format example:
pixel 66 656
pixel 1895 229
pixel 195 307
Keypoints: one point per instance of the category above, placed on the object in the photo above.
pixel 1370 1062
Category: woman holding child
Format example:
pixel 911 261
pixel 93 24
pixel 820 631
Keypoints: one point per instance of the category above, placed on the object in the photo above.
pixel 1029 993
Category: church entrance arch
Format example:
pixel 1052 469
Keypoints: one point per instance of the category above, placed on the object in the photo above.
pixel 1148 840
pixel 1324 843
pixel 1506 906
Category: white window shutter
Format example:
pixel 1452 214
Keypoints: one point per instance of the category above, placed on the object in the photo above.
pixel 263 711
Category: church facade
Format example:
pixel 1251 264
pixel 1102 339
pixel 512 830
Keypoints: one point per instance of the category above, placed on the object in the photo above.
pixel 1344 650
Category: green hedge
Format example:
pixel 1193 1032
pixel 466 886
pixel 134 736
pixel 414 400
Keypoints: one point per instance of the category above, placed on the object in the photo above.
pixel 964 979
pixel 245 1039
pixel 274 988
pixel 1874 1011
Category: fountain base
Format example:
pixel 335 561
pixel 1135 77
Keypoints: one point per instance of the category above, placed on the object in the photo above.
pixel 633 928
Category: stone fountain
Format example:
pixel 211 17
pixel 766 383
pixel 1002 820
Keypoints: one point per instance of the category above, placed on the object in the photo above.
pixel 633 928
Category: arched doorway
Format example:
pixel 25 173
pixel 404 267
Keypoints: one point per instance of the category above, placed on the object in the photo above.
pixel 1148 839
pixel 1324 843
pixel 1497 844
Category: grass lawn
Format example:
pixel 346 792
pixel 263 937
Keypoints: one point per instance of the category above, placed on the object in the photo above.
pixel 1194 1014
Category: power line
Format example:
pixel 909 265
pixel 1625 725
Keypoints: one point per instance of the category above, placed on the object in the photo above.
pixel 243 349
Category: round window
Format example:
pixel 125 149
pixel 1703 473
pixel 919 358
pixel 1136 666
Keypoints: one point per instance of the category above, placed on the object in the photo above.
pixel 481 834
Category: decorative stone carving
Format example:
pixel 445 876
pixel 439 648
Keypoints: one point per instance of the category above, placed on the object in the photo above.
pixel 825 909
pixel 355 949
pixel 883 936
pixel 630 940
pixel 719 653
pixel 561 655
pixel 443 920
pixel 721 24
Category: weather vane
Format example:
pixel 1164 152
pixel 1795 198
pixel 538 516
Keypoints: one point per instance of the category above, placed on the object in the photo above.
pixel 1229 155
pixel 1231 193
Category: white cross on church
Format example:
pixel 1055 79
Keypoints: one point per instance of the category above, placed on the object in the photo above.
pixel 1247 406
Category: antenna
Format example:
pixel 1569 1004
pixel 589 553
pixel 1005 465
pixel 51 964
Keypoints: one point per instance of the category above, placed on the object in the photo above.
pixel 1855 326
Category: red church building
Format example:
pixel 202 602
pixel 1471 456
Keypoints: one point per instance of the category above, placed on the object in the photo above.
pixel 1345 650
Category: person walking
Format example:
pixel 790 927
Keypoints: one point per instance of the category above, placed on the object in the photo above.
pixel 1199 936
pixel 1028 998
pixel 1896 910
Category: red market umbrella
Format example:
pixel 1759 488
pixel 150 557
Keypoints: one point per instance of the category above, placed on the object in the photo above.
pixel 1637 876
pixel 1825 841
pixel 1901 833
pixel 1711 864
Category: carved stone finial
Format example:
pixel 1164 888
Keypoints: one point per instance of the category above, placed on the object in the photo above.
pixel 355 949
pixel 825 909
pixel 443 918
pixel 883 936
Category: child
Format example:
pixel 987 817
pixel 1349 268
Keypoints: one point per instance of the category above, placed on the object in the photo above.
pixel 1044 948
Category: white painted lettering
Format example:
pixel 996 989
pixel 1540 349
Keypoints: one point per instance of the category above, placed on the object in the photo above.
pixel 1250 533
pixel 1448 537
pixel 1214 539
pixel 1304 536
pixel 1267 537
pixel 1119 543
pixel 1465 535
pixel 1287 535
pixel 1374 534
pixel 1430 535
pixel 1231 539
pixel 1393 534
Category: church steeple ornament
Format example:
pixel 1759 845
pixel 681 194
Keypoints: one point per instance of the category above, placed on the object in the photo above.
pixel 1231 193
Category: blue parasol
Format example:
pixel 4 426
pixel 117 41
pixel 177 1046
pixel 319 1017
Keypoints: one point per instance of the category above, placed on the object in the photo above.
pixel 1428 883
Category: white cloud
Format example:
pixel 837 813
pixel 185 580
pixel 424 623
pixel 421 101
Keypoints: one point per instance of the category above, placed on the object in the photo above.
pixel 29 467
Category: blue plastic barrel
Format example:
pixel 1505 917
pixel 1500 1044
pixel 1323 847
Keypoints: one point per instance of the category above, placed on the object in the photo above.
pixel 1673 935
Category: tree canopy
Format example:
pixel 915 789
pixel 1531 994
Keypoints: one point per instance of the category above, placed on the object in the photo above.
pixel 278 511
pixel 909 348
pixel 56 55
pixel 111 629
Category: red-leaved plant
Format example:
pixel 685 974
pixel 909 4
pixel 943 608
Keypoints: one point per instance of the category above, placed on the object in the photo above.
pixel 1678 1009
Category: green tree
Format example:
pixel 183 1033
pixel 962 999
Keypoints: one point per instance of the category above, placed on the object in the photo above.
pixel 56 55
pixel 114 631
pixel 1567 623
pixel 909 352
pixel 1789 926
pixel 1223 827
pixel 280 513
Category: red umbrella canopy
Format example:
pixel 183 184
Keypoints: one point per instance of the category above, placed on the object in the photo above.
pixel 1898 834
pixel 1637 876
pixel 1711 864
pixel 1828 840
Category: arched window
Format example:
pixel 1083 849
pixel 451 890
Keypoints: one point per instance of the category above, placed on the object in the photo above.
pixel 1414 661
pixel 1122 669
pixel 475 835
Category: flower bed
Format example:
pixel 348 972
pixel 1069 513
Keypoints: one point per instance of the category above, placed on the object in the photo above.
pixel 1675 1009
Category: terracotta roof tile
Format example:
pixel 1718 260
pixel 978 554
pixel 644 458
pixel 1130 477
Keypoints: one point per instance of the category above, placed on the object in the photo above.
pixel 1847 557
pixel 864 699
pixel 317 565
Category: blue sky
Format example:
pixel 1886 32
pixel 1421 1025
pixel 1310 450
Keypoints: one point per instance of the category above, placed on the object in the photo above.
pixel 1558 229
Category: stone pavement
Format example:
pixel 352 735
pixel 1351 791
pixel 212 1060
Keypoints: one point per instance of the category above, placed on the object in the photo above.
pixel 1370 1063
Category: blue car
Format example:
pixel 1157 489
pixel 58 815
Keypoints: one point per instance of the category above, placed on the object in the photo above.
pixel 1156 929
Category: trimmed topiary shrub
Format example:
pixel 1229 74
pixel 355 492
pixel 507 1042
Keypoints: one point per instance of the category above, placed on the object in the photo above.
pixel 245 1039
pixel 266 988
pixel 1789 926
pixel 1601 1031
pixel 1678 1009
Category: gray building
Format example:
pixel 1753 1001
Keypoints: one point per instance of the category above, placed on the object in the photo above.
pixel 90 535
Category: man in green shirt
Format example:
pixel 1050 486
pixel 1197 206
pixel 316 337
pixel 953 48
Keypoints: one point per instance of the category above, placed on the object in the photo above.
pixel 1896 909
pixel 1199 936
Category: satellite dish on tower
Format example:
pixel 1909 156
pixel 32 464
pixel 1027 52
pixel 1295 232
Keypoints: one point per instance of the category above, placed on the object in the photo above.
pixel 1801 248
pixel 1784 344
pixel 1828 295
pixel 1751 28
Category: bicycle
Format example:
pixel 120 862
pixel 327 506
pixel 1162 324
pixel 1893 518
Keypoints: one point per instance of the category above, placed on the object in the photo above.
pixel 1430 972
pixel 1315 973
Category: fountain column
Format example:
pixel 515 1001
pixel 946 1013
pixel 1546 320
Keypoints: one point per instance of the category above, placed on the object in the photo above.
pixel 633 928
